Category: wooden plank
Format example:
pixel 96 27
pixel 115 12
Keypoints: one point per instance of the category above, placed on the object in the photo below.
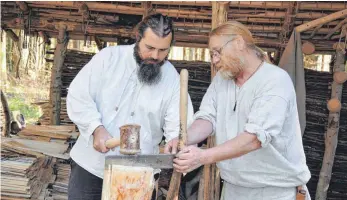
pixel 323 20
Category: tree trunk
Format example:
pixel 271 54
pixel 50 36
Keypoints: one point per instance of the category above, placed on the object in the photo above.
pixel 211 174
pixel 56 83
pixel 331 135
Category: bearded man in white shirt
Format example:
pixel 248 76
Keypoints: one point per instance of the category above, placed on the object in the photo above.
pixel 121 85
pixel 251 108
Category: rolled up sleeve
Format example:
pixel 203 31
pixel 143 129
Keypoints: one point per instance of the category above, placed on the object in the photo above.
pixel 266 118
pixel 80 101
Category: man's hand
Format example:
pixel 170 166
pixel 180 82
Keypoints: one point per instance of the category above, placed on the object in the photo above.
pixel 100 137
pixel 188 159
pixel 171 146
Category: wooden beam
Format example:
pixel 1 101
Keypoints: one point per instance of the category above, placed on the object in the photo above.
pixel 56 82
pixel 6 111
pixel 288 24
pixel 211 175
pixel 98 43
pixel 331 136
pixel 323 20
pixel 147 8
pixel 23 6
pixel 336 28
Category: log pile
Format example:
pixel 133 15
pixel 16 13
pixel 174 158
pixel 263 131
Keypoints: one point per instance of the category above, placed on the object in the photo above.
pixel 25 177
pixel 317 95
pixel 58 190
pixel 35 163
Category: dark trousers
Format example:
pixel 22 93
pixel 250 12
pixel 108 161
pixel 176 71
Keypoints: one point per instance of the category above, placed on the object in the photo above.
pixel 86 186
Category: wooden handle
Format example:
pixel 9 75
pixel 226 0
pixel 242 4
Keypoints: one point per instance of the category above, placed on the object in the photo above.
pixel 176 176
pixel 112 143
pixel 183 108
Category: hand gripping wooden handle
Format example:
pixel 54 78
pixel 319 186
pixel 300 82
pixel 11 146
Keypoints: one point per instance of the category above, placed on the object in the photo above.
pixel 176 176
pixel 112 143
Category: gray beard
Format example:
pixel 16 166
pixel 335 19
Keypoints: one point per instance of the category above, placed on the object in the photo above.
pixel 148 73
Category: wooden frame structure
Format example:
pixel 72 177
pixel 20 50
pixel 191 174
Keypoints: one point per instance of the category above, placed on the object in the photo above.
pixel 320 23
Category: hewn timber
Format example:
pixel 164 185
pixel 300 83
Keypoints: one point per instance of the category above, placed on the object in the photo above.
pixel 331 136
pixel 323 20
pixel 56 82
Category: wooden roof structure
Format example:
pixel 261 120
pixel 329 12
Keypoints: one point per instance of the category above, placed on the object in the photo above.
pixel 270 22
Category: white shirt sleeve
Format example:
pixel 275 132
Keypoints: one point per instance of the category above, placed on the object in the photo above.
pixel 267 116
pixel 80 101
pixel 172 116
pixel 208 106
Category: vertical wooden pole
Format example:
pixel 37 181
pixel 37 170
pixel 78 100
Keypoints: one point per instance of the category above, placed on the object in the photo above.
pixel 56 83
pixel 211 175
pixel 147 8
pixel 331 135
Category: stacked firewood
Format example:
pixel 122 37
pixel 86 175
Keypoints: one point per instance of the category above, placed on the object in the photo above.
pixel 35 163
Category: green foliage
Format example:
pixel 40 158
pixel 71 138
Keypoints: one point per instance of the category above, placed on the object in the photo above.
pixel 18 102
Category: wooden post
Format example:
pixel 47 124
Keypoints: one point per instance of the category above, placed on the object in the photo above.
pixel 331 135
pixel 147 8
pixel 211 175
pixel 288 24
pixel 175 181
pixel 322 20
pixel 56 83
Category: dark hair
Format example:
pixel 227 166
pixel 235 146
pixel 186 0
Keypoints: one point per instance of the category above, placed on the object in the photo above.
pixel 161 25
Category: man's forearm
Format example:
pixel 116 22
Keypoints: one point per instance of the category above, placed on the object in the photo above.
pixel 199 131
pixel 240 145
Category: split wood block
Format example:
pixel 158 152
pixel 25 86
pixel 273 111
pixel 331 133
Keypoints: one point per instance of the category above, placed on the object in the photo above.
pixel 127 183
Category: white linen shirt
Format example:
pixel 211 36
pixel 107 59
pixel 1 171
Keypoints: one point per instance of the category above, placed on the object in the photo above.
pixel 107 92
pixel 266 107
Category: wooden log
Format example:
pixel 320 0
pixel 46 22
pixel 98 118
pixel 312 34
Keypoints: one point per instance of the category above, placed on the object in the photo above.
pixel 308 48
pixel 331 137
pixel 336 28
pixel 147 8
pixel 219 16
pixel 6 120
pixel 323 20
pixel 56 83
pixel 182 137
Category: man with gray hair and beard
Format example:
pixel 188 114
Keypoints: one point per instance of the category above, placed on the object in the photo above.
pixel 251 108
pixel 121 85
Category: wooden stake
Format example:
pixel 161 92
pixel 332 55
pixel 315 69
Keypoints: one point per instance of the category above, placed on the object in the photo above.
pixel 176 176
pixel 323 20
pixel 210 176
pixel 56 83
pixel 331 135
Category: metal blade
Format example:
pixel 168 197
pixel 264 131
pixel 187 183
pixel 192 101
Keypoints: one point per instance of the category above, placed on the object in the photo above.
pixel 162 161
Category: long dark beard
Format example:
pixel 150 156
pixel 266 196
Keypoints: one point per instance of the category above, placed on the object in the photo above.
pixel 148 73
